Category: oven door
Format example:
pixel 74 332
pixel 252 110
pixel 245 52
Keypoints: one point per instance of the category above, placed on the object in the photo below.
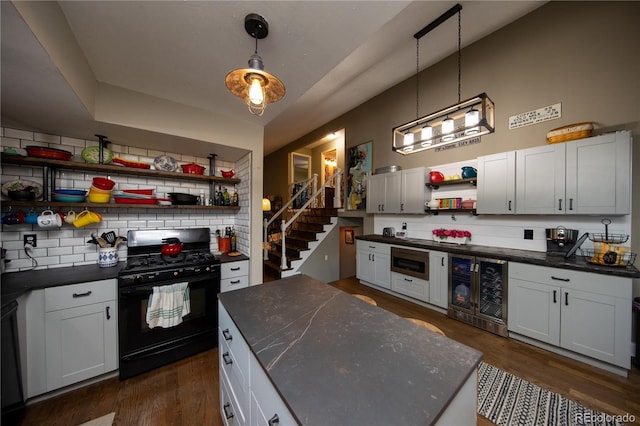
pixel 141 347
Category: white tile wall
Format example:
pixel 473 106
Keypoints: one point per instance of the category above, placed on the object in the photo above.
pixel 68 245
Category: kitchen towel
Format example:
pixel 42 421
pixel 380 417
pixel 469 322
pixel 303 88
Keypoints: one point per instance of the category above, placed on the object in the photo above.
pixel 168 304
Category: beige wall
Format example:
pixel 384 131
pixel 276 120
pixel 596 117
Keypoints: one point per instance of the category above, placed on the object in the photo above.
pixel 581 54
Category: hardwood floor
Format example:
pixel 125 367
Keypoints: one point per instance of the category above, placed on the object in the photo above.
pixel 186 392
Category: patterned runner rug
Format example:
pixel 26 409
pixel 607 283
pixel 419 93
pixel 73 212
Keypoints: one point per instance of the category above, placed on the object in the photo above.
pixel 507 400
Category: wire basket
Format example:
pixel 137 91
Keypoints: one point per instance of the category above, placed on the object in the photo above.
pixel 609 238
pixel 608 258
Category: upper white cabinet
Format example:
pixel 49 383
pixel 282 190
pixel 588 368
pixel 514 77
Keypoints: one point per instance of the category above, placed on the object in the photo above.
pixel 540 180
pixel 402 192
pixel 598 175
pixel 587 176
pixel 497 184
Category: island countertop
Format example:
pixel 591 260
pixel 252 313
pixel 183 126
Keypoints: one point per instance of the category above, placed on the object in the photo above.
pixel 337 360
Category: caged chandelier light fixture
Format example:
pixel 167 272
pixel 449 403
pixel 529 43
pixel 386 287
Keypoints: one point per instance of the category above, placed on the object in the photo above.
pixel 465 120
pixel 253 84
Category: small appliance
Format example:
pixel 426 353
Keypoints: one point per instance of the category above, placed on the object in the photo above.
pixel 389 232
pixel 560 240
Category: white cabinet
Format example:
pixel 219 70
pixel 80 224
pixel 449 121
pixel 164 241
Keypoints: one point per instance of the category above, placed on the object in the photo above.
pixel 402 192
pixel 586 176
pixel 410 286
pixel 540 180
pixel 497 184
pixel 438 278
pixel 598 174
pixel 80 332
pixel 582 312
pixel 234 275
pixel 246 393
pixel 374 263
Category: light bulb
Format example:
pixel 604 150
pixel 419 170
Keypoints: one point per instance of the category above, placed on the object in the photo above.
pixel 408 138
pixel 471 118
pixel 447 128
pixel 426 135
pixel 256 92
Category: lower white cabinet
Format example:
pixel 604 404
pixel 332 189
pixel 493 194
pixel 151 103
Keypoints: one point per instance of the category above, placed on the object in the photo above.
pixel 410 286
pixel 439 278
pixel 586 313
pixel 374 263
pixel 246 393
pixel 81 324
pixel 234 275
pixel 69 334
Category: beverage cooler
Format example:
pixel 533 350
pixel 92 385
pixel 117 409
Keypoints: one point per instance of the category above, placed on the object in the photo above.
pixel 478 292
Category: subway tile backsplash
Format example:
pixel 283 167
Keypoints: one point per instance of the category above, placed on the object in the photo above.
pixel 68 246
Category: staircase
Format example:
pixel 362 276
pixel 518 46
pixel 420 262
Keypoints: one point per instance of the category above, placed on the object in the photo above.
pixel 304 235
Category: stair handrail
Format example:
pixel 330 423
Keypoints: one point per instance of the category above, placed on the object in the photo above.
pixel 284 225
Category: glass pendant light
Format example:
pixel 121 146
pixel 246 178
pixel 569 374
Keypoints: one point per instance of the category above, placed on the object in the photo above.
pixel 408 141
pixel 471 118
pixel 426 134
pixel 447 129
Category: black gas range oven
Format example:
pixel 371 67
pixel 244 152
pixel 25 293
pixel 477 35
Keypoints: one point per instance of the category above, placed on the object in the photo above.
pixel 145 342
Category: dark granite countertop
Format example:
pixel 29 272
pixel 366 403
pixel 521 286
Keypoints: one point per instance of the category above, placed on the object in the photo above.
pixel 525 256
pixel 15 284
pixel 337 360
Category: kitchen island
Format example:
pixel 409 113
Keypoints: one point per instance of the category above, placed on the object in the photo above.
pixel 336 360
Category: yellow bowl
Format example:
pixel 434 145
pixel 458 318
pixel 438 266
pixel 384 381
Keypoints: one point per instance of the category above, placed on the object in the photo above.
pixel 95 197
pixel 96 190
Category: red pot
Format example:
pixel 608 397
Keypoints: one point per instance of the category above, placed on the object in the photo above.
pixel 193 169
pixel 436 176
pixel 171 249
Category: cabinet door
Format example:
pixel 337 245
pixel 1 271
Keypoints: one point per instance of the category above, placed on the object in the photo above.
pixel 414 191
pixel 590 325
pixel 534 310
pixel 392 191
pixel 497 183
pixel 540 180
pixel 382 269
pixel 364 266
pixel 375 193
pixel 80 343
pixel 438 278
pixel 599 174
pixel 267 408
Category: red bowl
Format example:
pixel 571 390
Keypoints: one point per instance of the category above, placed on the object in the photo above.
pixel 139 191
pixel 228 174
pixel 193 169
pixel 103 183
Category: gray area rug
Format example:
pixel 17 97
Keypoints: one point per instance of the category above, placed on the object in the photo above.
pixel 507 400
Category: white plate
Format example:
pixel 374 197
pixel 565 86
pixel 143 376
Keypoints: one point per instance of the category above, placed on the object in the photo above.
pixel 166 163
pixel 20 184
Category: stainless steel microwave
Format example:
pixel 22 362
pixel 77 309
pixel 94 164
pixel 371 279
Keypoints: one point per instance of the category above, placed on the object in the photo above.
pixel 410 262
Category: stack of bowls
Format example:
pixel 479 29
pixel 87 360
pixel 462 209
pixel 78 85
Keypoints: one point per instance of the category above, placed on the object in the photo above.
pixel 100 191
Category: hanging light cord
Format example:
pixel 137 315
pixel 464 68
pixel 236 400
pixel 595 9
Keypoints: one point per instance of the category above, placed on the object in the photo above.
pixel 417 78
pixel 459 53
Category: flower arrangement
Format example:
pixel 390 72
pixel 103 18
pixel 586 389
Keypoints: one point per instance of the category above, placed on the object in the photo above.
pixel 451 235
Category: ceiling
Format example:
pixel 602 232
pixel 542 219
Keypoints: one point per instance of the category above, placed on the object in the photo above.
pixel 331 55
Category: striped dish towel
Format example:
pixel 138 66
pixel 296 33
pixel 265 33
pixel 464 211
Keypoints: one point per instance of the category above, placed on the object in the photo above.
pixel 168 304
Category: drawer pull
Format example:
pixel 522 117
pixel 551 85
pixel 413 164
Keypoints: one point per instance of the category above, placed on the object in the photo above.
pixel 408 280
pixel 227 336
pixel 227 414
pixel 560 279
pixel 235 269
pixel 566 299
pixel 88 293
pixel 555 293
pixel 275 420
pixel 108 314
pixel 235 282
pixel 226 358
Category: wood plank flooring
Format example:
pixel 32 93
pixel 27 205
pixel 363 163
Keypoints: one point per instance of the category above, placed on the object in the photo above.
pixel 186 392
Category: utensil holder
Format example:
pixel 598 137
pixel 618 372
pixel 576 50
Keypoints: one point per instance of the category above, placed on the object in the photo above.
pixel 107 257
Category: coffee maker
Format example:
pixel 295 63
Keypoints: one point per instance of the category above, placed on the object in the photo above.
pixel 560 240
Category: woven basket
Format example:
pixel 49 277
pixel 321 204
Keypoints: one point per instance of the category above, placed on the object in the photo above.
pixel 570 132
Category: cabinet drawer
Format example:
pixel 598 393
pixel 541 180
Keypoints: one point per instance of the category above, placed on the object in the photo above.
pixel 410 286
pixel 234 357
pixel 234 269
pixel 74 295
pixel 228 284
pixel 229 410
pixel 585 281
pixel 370 246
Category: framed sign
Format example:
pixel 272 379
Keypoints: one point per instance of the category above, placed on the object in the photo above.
pixel 348 236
